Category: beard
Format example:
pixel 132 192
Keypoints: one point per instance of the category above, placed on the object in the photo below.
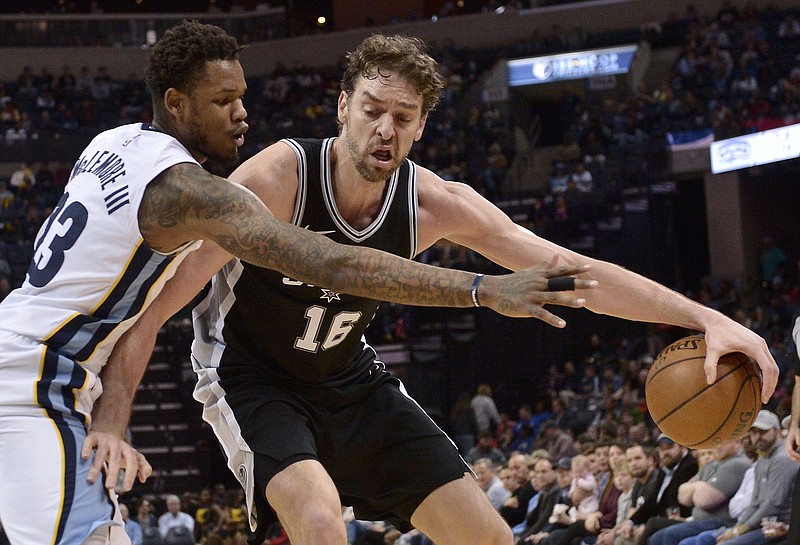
pixel 201 143
pixel 365 171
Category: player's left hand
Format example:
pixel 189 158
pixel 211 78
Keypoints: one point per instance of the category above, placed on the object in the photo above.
pixel 727 336
pixel 114 454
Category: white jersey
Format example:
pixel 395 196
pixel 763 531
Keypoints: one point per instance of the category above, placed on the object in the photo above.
pixel 92 273
pixel 90 277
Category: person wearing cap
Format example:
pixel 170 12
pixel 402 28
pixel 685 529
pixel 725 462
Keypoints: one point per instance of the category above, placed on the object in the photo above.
pixel 676 466
pixel 563 483
pixel 708 493
pixel 773 481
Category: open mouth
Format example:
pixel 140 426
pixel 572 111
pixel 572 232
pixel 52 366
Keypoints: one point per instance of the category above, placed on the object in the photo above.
pixel 238 136
pixel 382 155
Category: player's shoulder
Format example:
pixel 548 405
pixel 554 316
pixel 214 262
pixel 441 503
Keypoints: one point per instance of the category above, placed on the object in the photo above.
pixel 277 161
pixel 430 183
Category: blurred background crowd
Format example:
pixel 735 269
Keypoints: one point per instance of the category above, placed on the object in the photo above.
pixel 546 407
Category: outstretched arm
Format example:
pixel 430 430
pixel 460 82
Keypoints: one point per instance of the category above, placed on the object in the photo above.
pixel 233 221
pixel 187 203
pixel 456 212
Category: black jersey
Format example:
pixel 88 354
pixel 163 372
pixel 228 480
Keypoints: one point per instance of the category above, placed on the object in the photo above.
pixel 289 329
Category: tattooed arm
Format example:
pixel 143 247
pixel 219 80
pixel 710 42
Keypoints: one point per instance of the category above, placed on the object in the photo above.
pixel 187 203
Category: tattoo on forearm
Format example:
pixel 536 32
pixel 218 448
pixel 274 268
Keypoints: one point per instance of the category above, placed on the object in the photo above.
pixel 185 203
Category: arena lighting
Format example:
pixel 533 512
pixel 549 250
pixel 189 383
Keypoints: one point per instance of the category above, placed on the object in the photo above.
pixel 576 65
pixel 756 149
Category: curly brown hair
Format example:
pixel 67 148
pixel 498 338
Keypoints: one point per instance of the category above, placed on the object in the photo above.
pixel 180 56
pixel 380 55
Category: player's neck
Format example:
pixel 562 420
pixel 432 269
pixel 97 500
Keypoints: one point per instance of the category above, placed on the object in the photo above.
pixel 167 126
pixel 357 199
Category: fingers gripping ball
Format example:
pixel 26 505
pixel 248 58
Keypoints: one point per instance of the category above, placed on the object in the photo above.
pixel 688 409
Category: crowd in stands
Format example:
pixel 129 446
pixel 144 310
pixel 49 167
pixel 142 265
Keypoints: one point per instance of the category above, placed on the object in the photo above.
pixel 582 463
pixel 192 6
pixel 608 488
pixel 739 72
pixel 608 485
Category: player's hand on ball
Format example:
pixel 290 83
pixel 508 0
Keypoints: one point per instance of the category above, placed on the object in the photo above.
pixel 523 293
pixel 726 336
pixel 114 454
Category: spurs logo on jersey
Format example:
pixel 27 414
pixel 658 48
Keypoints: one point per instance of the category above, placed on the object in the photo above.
pixel 314 333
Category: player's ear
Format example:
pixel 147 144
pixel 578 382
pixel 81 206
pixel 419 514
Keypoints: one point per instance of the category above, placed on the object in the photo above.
pixel 174 101
pixel 342 107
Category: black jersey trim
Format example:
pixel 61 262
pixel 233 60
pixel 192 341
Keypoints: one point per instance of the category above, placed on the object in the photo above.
pixel 302 180
pixel 330 200
pixel 413 209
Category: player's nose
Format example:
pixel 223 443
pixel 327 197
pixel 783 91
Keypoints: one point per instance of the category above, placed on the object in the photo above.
pixel 385 127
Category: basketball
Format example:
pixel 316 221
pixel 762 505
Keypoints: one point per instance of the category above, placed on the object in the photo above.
pixel 692 412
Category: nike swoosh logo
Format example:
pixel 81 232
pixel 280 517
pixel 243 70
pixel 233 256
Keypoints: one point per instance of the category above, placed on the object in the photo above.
pixel 319 232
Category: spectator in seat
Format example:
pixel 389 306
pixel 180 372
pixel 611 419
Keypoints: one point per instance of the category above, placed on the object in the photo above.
pixel 485 449
pixel 490 483
pixel 559 179
pixel 132 528
pixel 557 442
pixel 515 509
pixel 174 517
pixel 583 179
pixel 544 481
pixel 773 481
pixel 676 466
pixel 708 493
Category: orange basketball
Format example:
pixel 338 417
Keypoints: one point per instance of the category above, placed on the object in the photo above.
pixel 690 411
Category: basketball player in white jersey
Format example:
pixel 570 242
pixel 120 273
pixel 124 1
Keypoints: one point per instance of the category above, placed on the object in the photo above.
pixel 135 204
pixel 304 428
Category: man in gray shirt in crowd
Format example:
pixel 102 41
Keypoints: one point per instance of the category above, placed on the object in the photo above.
pixel 773 485
pixel 708 494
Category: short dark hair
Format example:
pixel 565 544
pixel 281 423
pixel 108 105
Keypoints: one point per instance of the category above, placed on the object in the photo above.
pixel 179 57
pixel 403 55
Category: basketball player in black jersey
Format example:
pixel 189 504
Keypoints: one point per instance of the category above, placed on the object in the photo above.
pixel 793 440
pixel 307 415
